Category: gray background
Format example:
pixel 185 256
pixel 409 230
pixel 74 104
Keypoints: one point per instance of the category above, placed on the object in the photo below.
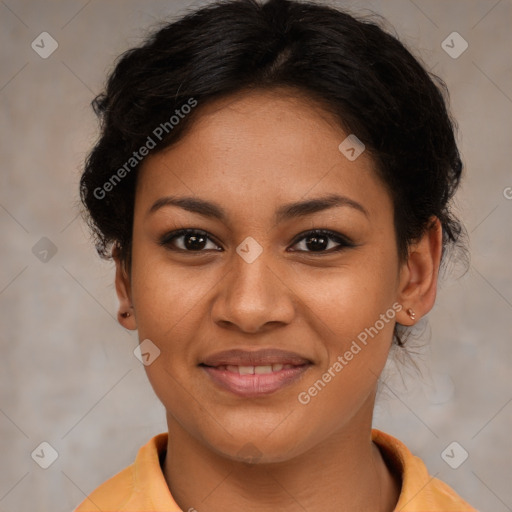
pixel 68 375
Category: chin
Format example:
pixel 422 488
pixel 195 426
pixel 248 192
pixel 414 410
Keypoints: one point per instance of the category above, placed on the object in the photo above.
pixel 259 448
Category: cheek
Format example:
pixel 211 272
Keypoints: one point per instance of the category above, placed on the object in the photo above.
pixel 353 311
pixel 164 294
pixel 166 301
pixel 165 305
pixel 351 297
pixel 357 331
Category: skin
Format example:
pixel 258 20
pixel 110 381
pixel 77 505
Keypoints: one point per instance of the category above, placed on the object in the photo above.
pixel 250 154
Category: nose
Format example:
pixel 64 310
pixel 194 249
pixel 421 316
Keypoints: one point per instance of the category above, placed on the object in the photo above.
pixel 253 297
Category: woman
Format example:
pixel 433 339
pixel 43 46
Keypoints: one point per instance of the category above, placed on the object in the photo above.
pixel 273 181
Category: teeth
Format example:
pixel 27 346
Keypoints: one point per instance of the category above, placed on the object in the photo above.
pixel 251 370
pixel 263 369
pixel 246 370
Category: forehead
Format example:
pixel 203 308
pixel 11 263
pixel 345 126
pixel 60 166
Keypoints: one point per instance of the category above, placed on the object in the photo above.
pixel 256 147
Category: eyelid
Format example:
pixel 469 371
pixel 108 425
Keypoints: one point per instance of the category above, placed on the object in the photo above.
pixel 342 240
pixel 166 239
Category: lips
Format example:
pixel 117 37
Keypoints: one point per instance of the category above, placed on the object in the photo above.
pixel 252 370
pixel 254 373
pixel 262 357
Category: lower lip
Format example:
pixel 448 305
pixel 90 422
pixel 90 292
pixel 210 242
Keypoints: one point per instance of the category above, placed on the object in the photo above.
pixel 257 384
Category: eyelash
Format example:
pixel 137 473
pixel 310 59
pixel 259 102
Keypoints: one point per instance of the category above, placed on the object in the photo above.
pixel 343 241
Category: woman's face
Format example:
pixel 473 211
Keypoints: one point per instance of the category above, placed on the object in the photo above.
pixel 255 174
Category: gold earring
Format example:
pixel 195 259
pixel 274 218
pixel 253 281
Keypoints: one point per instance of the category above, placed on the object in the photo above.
pixel 411 313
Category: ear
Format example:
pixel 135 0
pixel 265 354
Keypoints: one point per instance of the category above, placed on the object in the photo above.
pixel 126 312
pixel 419 274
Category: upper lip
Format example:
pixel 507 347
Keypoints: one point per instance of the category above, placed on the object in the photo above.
pixel 262 357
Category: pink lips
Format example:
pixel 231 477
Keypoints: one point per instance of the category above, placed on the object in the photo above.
pixel 254 373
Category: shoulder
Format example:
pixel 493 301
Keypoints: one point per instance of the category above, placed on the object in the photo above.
pixel 141 487
pixel 112 494
pixel 420 491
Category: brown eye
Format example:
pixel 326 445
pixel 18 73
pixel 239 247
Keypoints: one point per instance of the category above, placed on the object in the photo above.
pixel 322 241
pixel 189 240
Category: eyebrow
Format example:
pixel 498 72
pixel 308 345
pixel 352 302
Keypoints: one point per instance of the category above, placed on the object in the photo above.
pixel 285 212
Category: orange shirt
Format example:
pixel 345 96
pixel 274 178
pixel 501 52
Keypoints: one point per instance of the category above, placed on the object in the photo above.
pixel 141 487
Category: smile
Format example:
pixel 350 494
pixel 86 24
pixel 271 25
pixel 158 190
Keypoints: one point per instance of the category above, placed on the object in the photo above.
pixel 254 381
pixel 251 370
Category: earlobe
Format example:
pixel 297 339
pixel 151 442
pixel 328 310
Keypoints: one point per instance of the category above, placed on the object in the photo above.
pixel 418 281
pixel 126 312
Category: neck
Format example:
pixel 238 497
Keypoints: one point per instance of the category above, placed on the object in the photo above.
pixel 345 473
